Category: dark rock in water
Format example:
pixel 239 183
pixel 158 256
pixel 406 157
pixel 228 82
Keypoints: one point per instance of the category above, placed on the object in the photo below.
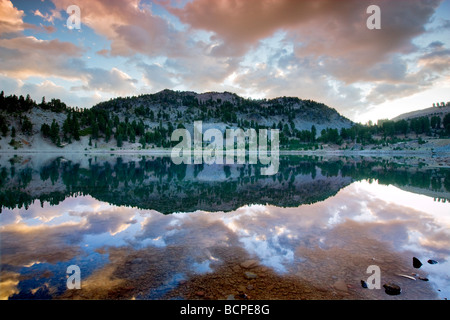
pixel 416 263
pixel 423 279
pixel 432 261
pixel 137 260
pixel 392 289
pixel 364 284
pixel 243 296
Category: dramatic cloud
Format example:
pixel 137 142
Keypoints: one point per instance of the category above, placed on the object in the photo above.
pixel 28 56
pixel 113 80
pixel 23 57
pixel 11 18
pixel 313 49
pixel 437 59
pixel 336 29
pixel 333 52
pixel 130 26
pixel 49 17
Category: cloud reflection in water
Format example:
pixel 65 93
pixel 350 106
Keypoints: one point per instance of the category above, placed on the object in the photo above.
pixel 362 220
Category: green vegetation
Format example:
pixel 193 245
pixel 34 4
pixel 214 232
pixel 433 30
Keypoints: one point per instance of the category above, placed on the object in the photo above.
pixel 387 131
pixel 446 123
pixel 149 121
pixel 157 183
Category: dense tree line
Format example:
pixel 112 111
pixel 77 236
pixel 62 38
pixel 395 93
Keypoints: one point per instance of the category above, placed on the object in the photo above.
pixel 18 106
pixel 103 122
pixel 388 130
pixel 14 104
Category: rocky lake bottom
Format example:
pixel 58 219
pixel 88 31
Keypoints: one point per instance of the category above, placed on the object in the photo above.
pixel 143 229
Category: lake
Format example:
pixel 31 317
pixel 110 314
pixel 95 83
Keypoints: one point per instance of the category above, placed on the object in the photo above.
pixel 141 227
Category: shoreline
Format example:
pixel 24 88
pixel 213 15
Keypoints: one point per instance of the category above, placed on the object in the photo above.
pixel 427 153
pixel 168 150
pixel 409 157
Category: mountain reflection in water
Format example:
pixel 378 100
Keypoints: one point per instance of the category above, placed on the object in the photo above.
pixel 146 229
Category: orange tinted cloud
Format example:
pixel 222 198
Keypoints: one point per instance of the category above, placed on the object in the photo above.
pixel 11 18
pixel 28 56
pixel 130 25
pixel 335 29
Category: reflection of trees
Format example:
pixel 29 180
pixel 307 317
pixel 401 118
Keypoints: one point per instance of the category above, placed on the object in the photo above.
pixel 391 173
pixel 156 183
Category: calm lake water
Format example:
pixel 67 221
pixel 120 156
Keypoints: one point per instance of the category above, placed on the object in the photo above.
pixel 140 227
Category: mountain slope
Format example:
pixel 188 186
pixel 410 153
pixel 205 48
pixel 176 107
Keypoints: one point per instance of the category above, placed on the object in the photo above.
pixel 147 121
pixel 226 109
pixel 428 112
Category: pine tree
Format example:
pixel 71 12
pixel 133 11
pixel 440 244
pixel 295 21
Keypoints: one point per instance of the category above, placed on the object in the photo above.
pixel 67 125
pixel 142 141
pixel 27 126
pixel 119 140
pixel 435 122
pixel 446 123
pixel 95 130
pixel 132 136
pixel 75 127
pixel 107 133
pixel 54 132
pixel 45 129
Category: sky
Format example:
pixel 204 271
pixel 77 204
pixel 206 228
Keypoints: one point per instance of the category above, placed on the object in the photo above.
pixel 312 49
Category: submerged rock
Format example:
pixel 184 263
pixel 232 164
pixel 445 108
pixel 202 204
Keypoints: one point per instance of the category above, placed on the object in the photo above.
pixel 250 275
pixel 340 285
pixel 392 289
pixel 416 263
pixel 248 264
pixel 200 293
pixel 137 260
pixel 432 261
